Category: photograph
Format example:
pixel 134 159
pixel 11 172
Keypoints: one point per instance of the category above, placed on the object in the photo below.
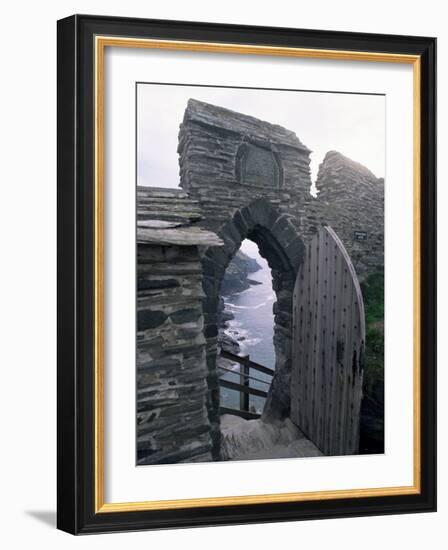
pixel 260 273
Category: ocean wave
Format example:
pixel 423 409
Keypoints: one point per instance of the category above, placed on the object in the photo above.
pixel 249 342
pixel 234 306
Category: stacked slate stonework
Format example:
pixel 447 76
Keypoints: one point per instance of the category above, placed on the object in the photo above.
pixel 352 202
pixel 172 391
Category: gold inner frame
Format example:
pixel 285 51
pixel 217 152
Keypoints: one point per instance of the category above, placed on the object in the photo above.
pixel 101 42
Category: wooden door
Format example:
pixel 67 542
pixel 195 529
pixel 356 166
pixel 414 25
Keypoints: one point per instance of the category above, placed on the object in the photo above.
pixel 328 347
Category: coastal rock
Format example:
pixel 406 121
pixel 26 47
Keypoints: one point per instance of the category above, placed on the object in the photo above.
pixel 235 280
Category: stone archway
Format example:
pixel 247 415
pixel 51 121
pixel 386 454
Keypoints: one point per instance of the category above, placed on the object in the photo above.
pixel 282 247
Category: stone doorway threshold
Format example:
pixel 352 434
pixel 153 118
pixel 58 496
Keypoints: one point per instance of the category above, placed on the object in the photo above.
pixel 255 439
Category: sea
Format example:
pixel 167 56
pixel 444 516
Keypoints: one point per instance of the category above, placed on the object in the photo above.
pixel 253 328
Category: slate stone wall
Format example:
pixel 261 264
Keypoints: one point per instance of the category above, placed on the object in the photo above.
pixel 214 141
pixel 172 391
pixel 352 202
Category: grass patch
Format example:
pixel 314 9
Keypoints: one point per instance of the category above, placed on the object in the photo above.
pixel 373 293
pixel 372 413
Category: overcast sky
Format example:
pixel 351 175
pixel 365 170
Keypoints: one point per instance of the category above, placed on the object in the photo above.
pixel 352 124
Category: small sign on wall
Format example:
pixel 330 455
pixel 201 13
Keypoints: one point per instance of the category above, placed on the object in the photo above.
pixel 360 235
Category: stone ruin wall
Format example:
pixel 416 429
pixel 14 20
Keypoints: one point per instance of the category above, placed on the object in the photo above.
pixel 350 198
pixel 223 158
pixel 352 202
pixel 172 418
pixel 172 391
pixel 210 139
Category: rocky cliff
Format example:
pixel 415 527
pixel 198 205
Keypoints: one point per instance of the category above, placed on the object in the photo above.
pixel 236 278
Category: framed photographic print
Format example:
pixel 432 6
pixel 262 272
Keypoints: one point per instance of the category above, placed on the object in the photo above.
pixel 246 274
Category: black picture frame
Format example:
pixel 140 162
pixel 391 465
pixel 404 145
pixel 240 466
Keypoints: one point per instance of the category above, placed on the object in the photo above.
pixel 76 285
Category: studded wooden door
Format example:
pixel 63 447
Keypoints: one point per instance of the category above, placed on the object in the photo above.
pixel 328 347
